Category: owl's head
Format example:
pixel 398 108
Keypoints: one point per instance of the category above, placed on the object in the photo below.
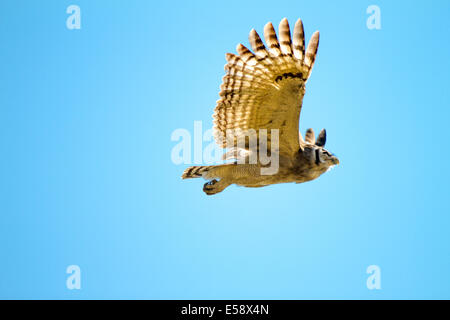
pixel 313 149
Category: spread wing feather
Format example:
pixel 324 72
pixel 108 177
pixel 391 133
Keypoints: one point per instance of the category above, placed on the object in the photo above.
pixel 264 89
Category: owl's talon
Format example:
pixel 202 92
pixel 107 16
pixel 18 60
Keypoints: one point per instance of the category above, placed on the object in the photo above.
pixel 208 187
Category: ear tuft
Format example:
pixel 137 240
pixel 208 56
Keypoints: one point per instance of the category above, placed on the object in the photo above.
pixel 309 136
pixel 322 138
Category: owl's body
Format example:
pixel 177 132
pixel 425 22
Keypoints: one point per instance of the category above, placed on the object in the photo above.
pixel 263 91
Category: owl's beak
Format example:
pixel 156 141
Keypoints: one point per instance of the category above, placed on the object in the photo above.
pixel 335 160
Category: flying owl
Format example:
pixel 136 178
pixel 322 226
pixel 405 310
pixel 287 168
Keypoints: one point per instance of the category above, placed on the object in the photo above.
pixel 263 91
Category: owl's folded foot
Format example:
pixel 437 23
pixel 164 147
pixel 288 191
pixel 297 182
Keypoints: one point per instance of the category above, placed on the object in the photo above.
pixel 208 187
pixel 214 186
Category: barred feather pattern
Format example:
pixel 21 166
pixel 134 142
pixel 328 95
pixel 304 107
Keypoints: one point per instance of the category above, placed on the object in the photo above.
pixel 264 89
pixel 195 172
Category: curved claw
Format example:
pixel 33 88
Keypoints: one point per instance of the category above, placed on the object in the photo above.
pixel 208 187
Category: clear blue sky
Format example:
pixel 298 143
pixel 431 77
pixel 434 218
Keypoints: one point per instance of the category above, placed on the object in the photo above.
pixel 87 179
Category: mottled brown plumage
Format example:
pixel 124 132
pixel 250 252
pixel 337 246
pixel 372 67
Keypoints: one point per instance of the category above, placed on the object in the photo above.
pixel 263 91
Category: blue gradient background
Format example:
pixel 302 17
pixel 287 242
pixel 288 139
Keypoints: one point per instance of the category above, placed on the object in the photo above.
pixel 87 179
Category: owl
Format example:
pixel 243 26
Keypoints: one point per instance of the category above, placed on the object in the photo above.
pixel 262 93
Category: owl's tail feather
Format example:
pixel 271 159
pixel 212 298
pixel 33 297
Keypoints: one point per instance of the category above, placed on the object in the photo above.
pixel 195 172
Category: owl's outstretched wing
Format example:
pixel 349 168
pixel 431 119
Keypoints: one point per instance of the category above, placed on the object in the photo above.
pixel 264 89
